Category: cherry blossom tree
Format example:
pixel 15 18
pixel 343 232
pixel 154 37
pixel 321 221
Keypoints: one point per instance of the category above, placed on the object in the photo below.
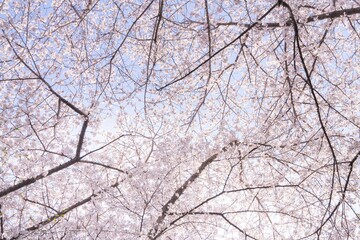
pixel 179 119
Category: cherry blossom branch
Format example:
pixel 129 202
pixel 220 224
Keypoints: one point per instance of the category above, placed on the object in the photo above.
pixel 233 225
pixel 233 212
pixel 330 15
pixel 56 169
pixel 67 164
pixel 103 165
pixel 177 194
pixel 153 233
pixel 207 90
pixel 40 204
pixel 159 18
pixel 319 17
pixel 63 212
pixel 153 42
pixel 221 49
pixel 218 195
pixel 122 43
pixel 105 145
pixel 37 74
pixel 309 82
pixel 351 164
pixel 1 222
pixel 19 79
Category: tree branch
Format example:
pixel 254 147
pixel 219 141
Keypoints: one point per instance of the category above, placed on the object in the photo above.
pixel 56 169
pixel 251 26
pixel 319 17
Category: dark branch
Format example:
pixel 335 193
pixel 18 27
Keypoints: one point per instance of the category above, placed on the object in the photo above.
pixel 56 169
pixel 219 51
pixel 61 213
pixel 319 17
